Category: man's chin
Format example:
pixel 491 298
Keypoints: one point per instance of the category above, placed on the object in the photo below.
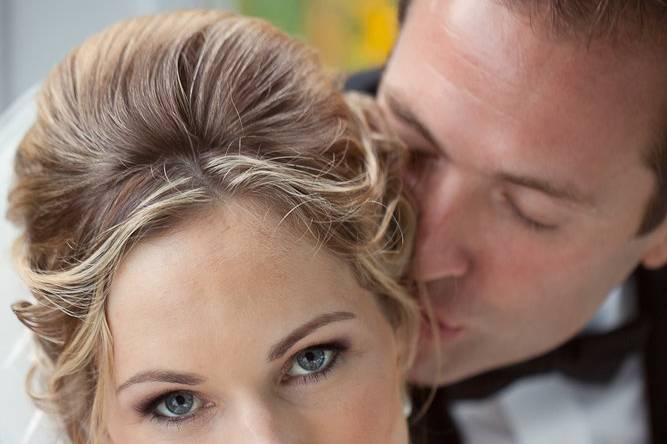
pixel 429 374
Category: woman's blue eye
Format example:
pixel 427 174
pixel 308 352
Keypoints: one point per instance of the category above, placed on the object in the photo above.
pixel 313 361
pixel 177 405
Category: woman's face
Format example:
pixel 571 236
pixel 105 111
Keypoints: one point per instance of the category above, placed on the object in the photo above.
pixel 231 330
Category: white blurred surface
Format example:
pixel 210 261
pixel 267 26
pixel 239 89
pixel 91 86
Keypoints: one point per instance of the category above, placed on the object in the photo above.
pixel 36 34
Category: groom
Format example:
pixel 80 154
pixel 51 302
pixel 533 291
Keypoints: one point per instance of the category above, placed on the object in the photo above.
pixel 539 134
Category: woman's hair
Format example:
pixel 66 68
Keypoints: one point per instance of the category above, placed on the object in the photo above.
pixel 160 117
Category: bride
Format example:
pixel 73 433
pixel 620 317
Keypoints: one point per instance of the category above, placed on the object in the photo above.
pixel 215 239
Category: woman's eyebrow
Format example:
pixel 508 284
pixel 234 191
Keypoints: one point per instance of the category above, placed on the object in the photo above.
pixel 162 376
pixel 277 351
pixel 282 346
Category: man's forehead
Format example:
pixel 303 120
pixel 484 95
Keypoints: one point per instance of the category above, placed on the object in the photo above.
pixel 485 31
pixel 491 88
pixel 480 48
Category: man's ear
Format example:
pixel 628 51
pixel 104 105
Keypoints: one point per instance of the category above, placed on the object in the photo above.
pixel 656 253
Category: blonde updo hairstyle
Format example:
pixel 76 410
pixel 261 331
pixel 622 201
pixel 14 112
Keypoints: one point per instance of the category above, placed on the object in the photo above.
pixel 160 117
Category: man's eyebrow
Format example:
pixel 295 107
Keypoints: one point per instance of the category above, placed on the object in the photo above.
pixel 567 193
pixel 282 346
pixel 402 112
pixel 162 376
pixel 409 118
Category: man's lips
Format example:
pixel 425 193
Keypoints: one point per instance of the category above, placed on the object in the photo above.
pixel 445 328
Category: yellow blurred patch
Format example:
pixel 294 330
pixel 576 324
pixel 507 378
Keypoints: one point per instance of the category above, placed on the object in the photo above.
pixel 351 34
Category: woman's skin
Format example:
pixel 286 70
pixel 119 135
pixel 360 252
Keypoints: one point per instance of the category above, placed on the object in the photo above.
pixel 253 335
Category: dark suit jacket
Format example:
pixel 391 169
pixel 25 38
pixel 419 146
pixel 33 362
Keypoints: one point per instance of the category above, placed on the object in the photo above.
pixel 438 427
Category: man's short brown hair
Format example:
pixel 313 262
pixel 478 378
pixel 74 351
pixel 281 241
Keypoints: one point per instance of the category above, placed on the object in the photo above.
pixel 618 21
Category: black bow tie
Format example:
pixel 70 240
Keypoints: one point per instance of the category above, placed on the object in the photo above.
pixel 591 358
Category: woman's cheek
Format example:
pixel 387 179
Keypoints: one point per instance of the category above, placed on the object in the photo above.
pixel 369 412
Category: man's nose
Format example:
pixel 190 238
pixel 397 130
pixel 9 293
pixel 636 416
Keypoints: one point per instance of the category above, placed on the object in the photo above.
pixel 446 219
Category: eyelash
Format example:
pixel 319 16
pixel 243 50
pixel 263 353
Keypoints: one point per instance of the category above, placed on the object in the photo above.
pixel 419 157
pixel 526 221
pixel 148 408
pixel 337 347
pixel 530 223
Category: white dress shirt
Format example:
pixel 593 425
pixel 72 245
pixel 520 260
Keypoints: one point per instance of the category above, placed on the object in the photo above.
pixel 554 409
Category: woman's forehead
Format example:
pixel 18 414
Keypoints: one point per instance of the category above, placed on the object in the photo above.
pixel 219 276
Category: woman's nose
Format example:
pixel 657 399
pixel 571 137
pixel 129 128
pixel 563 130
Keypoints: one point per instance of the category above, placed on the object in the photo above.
pixel 261 423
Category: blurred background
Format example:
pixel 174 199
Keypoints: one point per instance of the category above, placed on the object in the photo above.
pixel 36 34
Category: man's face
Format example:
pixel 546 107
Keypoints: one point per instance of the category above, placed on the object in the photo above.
pixel 529 175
